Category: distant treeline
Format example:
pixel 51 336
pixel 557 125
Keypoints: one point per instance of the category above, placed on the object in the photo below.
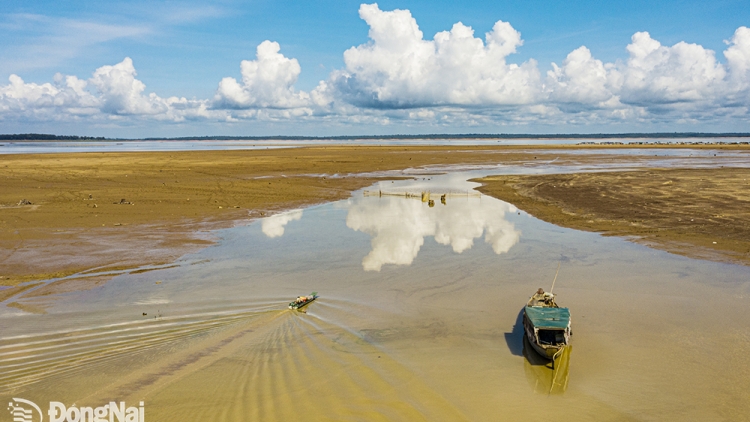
pixel 46 137
pixel 659 135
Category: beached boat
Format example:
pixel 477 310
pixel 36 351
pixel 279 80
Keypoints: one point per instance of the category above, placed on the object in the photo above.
pixel 547 325
pixel 303 301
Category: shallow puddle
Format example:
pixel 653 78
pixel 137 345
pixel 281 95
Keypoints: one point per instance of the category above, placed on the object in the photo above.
pixel 418 319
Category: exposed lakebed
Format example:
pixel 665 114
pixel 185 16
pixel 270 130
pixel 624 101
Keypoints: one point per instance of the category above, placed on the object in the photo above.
pixel 418 318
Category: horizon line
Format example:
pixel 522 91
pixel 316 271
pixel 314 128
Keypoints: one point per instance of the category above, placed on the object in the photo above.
pixel 624 135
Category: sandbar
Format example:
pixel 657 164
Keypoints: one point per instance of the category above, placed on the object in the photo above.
pixel 700 213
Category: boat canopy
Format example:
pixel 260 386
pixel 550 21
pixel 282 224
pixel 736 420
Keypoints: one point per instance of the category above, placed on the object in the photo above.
pixel 550 318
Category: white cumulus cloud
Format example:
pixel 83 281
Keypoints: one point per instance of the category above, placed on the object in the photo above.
pixel 122 93
pixel 398 68
pixel 657 74
pixel 682 82
pixel 458 80
pixel 738 62
pixel 113 90
pixel 581 79
pixel 267 82
pixel 67 92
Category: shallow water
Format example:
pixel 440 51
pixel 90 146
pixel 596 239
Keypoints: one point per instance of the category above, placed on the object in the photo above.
pixel 25 147
pixel 418 319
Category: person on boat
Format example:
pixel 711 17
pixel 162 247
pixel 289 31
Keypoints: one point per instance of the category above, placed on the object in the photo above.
pixel 539 295
pixel 543 297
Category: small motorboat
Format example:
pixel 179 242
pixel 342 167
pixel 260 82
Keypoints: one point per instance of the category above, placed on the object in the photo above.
pixel 303 301
pixel 547 325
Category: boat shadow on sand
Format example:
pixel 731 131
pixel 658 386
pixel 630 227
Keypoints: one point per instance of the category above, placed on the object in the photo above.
pixel 514 339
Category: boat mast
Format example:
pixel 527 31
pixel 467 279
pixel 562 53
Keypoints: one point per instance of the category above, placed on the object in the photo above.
pixel 555 279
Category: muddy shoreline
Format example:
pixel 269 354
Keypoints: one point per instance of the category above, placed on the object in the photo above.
pixel 699 213
pixel 102 211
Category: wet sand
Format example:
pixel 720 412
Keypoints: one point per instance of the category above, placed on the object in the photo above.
pixel 438 337
pixel 701 213
pixel 124 210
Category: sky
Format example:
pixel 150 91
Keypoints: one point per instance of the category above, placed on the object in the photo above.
pixel 180 68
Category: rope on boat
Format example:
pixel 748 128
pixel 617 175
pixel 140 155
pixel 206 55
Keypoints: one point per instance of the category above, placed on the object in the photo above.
pixel 557 353
pixel 555 368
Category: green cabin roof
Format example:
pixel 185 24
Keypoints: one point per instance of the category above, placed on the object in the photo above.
pixel 548 317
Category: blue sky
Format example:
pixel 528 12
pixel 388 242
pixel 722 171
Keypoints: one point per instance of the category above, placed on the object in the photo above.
pixel 180 52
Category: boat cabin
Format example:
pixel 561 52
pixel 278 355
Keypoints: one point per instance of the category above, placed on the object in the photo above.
pixel 547 326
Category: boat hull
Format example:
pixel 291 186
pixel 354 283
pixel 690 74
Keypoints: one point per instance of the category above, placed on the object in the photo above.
pixel 299 306
pixel 546 351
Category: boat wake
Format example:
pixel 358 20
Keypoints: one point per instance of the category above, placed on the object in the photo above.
pixel 255 365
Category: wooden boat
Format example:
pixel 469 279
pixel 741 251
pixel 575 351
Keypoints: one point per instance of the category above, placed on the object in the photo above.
pixel 303 301
pixel 547 325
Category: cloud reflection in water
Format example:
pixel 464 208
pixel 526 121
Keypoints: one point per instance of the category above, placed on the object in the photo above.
pixel 273 226
pixel 399 225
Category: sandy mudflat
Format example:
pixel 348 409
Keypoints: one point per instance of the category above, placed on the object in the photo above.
pixel 436 336
pixel 703 213
pixel 114 211
pixel 120 210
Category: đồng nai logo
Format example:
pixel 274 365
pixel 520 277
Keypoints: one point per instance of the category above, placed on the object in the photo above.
pixel 22 410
